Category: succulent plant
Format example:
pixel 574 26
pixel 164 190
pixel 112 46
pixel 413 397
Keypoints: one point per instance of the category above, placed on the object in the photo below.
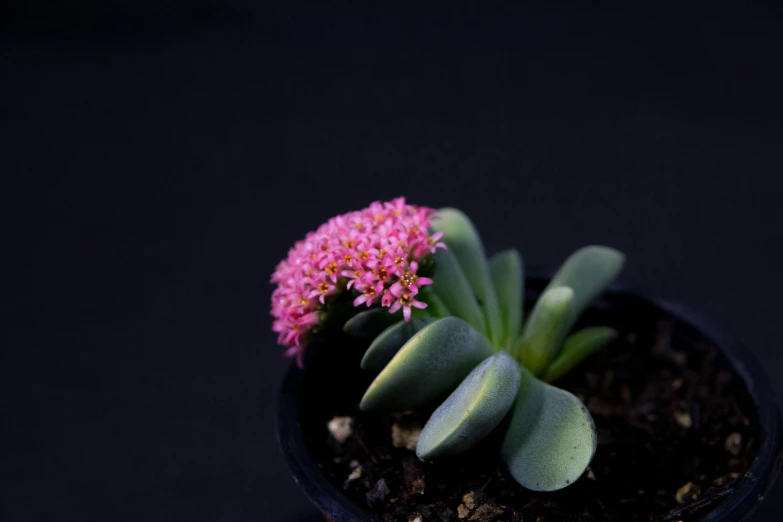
pixel 471 347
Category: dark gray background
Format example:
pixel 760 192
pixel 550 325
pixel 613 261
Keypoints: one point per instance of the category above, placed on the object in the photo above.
pixel 160 160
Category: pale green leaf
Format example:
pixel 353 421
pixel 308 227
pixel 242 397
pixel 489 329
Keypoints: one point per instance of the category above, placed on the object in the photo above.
pixel 473 410
pixel 508 279
pixel 578 347
pixel 429 366
pixel 453 288
pixel 551 439
pixel 588 271
pixel 463 241
pixel 389 342
pixel 545 329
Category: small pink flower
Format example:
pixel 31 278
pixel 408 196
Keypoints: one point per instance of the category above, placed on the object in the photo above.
pixel 369 294
pixel 409 282
pixel 406 301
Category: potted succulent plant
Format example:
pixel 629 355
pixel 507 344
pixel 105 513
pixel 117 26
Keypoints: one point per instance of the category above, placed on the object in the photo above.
pixel 423 391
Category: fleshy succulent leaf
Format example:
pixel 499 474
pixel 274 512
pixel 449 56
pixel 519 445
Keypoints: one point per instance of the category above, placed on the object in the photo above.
pixel 588 271
pixel 465 243
pixel 389 342
pixel 578 347
pixel 507 272
pixel 430 365
pixel 453 289
pixel 551 439
pixel 545 329
pixel 473 410
pixel 370 323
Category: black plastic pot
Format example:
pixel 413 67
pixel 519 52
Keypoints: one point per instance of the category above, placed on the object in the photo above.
pixel 327 378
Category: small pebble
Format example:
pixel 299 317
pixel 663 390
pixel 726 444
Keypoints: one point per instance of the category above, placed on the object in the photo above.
pixel 378 492
pixel 468 500
pixel 733 443
pixel 684 419
pixel 417 518
pixel 462 511
pixel 687 493
pixel 355 474
pixel 340 428
pixel 405 436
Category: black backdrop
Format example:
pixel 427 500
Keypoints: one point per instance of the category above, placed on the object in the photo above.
pixel 159 159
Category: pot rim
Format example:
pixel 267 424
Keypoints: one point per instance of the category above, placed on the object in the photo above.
pixel 738 506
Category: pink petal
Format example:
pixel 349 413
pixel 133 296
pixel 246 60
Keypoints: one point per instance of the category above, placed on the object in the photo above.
pixel 406 312
pixel 423 281
pixel 396 306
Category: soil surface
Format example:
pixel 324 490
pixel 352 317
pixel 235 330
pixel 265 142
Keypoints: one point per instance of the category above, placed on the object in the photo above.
pixel 675 435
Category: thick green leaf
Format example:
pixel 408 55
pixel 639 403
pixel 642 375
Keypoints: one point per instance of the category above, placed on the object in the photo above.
pixel 508 279
pixel 452 287
pixel 435 305
pixel 430 365
pixel 464 242
pixel 545 329
pixel 389 342
pixel 473 410
pixel 578 347
pixel 588 271
pixel 551 439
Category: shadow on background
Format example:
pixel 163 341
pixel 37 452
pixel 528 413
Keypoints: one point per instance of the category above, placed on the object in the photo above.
pixel 82 21
pixel 315 517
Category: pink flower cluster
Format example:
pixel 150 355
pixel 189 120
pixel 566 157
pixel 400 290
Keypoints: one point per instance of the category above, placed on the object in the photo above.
pixel 373 253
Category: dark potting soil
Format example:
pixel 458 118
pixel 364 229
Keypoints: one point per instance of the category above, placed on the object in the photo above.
pixel 676 432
